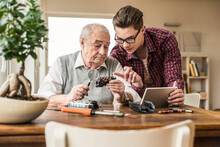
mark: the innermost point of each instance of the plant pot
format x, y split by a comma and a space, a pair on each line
20, 111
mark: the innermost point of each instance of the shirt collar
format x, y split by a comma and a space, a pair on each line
149, 42
130, 56
80, 62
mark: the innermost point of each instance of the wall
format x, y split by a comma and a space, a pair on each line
3, 70
194, 15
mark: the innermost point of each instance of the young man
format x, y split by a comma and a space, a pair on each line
150, 56
68, 79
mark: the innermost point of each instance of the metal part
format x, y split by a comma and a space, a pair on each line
119, 114
103, 81
89, 105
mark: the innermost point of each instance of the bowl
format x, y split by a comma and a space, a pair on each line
20, 111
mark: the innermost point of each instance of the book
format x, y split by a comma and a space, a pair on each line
195, 68
192, 70
185, 83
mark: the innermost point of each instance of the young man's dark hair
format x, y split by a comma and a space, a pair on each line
128, 16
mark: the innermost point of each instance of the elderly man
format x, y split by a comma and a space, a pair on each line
68, 79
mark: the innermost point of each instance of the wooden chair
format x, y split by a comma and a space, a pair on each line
180, 134
192, 99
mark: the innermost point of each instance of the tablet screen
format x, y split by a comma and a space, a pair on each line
157, 95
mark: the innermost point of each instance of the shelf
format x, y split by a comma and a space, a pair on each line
203, 98
196, 65
200, 77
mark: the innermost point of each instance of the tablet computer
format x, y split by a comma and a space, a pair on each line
158, 96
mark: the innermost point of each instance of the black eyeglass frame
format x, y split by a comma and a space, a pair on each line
125, 40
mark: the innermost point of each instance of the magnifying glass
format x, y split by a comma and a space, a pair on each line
93, 74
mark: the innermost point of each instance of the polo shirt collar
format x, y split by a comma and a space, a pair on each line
80, 62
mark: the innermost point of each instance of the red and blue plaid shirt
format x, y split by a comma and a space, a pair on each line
164, 59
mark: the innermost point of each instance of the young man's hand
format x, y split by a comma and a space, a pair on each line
130, 76
176, 97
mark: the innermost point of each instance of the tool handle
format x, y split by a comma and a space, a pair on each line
109, 113
76, 110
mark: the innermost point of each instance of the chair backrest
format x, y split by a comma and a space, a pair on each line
180, 134
192, 99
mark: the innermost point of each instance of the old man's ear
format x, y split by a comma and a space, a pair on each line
82, 41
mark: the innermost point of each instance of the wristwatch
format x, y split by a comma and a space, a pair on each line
126, 97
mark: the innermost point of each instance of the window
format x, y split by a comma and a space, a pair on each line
64, 35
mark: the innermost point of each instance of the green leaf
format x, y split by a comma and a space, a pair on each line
3, 28
3, 21
20, 14
11, 39
8, 56
1, 14
40, 46
21, 5
3, 3
34, 55
13, 2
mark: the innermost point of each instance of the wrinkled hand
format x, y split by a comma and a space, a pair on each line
176, 97
77, 93
117, 88
130, 76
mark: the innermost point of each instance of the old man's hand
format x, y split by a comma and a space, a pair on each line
77, 93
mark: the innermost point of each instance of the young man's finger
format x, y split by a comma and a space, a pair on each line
175, 84
127, 67
126, 74
134, 77
119, 74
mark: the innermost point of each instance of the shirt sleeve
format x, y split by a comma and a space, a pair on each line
121, 57
128, 87
140, 91
53, 82
172, 62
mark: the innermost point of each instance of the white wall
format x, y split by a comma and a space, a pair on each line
194, 15
3, 70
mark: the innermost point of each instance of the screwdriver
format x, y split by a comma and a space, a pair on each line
87, 112
175, 111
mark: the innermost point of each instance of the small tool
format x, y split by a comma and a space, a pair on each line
91, 105
87, 112
180, 109
175, 111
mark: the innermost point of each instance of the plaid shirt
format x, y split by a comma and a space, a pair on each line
164, 59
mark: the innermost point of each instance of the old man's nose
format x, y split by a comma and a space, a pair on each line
102, 50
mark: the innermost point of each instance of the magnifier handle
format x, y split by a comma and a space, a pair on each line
89, 83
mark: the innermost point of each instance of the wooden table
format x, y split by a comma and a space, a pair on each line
207, 125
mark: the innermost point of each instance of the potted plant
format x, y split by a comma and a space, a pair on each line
21, 31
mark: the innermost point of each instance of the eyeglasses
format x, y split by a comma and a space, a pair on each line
128, 40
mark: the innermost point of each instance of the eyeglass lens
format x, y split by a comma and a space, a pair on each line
128, 40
